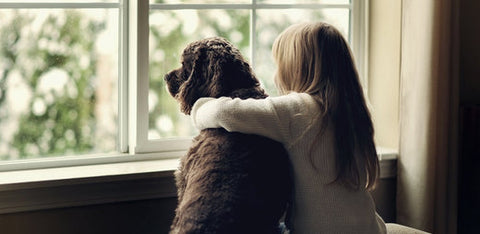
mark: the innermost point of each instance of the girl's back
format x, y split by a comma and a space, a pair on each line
318, 203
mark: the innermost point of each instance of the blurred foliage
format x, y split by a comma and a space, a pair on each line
66, 119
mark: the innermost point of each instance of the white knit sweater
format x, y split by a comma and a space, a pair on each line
294, 119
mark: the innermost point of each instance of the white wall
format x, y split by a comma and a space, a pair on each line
384, 69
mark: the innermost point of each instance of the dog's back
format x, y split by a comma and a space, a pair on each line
235, 183
228, 182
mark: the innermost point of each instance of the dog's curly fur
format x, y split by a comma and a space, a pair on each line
228, 182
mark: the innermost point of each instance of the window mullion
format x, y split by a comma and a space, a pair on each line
359, 37
138, 74
123, 78
253, 26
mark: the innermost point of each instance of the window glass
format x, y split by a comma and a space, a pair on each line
58, 82
170, 32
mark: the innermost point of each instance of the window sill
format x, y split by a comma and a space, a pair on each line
38, 189
388, 162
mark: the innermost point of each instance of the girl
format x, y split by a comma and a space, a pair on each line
324, 124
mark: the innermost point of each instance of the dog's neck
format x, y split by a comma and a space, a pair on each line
254, 92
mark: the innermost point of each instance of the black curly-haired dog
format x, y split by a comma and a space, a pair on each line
228, 182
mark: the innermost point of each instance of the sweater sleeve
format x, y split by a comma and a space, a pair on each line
271, 117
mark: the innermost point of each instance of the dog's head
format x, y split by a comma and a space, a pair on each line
211, 67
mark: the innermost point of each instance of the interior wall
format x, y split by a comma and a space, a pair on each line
384, 69
385, 195
142, 217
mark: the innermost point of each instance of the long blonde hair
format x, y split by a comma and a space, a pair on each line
314, 58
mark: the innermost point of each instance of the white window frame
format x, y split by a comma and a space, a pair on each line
133, 142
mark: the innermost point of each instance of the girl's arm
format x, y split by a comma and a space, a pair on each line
271, 117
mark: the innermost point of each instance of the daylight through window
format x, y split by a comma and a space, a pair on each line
65, 67
58, 79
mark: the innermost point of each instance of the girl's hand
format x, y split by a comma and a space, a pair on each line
204, 113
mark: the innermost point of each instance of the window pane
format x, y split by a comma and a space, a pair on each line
270, 23
304, 1
58, 82
170, 32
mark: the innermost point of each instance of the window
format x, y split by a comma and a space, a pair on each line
85, 78
58, 78
250, 25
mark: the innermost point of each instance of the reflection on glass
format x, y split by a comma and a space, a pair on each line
270, 23
58, 82
170, 32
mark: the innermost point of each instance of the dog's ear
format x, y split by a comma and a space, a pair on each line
240, 74
218, 69
195, 85
207, 77
230, 72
